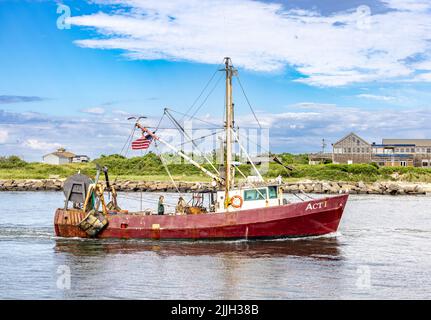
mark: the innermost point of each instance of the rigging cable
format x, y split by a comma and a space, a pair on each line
206, 98
129, 138
203, 90
186, 135
166, 168
248, 101
202, 137
192, 117
251, 183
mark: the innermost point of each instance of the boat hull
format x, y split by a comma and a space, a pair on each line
308, 218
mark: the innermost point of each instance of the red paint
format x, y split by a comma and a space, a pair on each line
291, 220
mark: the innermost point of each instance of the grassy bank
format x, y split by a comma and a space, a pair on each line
151, 168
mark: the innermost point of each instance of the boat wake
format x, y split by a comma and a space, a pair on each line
323, 236
17, 232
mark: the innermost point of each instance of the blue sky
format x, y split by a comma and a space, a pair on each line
311, 69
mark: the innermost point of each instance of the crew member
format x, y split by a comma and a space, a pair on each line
181, 206
161, 206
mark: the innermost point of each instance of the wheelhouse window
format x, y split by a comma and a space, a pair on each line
252, 195
272, 192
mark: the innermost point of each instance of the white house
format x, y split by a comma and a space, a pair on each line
80, 158
61, 156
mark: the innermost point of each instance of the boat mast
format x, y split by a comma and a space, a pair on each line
229, 127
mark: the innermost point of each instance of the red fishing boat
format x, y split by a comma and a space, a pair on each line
228, 211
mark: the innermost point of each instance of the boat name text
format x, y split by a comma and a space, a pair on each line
317, 205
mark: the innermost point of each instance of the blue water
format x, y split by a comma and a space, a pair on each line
382, 251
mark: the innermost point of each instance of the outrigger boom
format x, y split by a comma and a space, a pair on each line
182, 154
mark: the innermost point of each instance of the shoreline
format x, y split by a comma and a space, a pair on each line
307, 186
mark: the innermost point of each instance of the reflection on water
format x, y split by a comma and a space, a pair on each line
150, 269
381, 251
318, 248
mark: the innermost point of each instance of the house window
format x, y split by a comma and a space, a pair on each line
349, 150
412, 150
428, 150
403, 163
402, 150
425, 163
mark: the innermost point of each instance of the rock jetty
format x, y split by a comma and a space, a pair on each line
308, 186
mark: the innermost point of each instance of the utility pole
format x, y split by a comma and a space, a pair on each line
323, 145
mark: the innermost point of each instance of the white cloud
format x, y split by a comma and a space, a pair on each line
41, 145
120, 112
32, 135
299, 129
375, 97
96, 110
343, 48
408, 5
422, 77
423, 65
3, 135
302, 131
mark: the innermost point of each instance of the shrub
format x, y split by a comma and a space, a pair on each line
12, 162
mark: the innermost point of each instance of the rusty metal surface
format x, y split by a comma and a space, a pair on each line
315, 217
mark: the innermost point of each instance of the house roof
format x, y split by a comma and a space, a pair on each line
417, 142
393, 145
64, 154
351, 134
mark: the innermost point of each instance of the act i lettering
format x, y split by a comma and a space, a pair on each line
318, 205
219, 310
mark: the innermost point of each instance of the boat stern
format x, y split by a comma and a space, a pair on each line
66, 223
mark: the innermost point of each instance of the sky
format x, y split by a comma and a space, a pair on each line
71, 72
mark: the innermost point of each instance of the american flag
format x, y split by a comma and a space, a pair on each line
142, 143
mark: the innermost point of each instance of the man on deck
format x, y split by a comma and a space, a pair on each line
181, 206
161, 206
